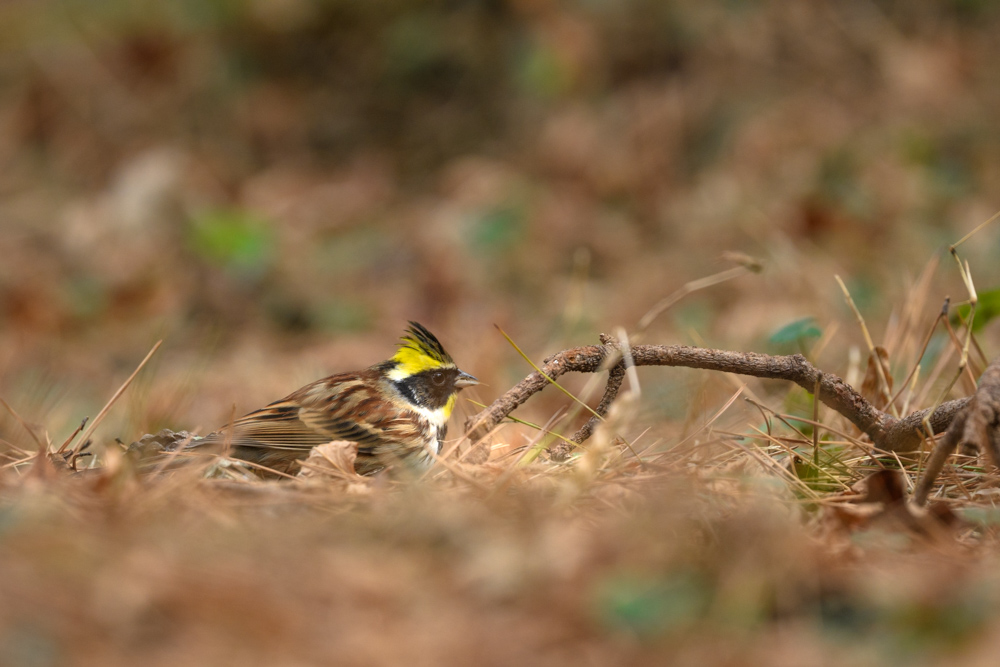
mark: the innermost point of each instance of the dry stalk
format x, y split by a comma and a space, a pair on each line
887, 432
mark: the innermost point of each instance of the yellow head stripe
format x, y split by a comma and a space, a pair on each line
419, 351
410, 360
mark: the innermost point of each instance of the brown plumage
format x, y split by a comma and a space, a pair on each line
396, 411
349, 406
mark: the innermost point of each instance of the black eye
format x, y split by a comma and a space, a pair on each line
437, 377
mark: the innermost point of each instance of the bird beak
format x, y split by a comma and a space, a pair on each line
465, 380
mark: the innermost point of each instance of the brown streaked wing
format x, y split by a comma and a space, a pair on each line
277, 426
369, 422
340, 407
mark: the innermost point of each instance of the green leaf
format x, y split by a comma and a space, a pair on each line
541, 73
344, 315
822, 478
498, 229
235, 239
987, 308
796, 331
88, 296
646, 605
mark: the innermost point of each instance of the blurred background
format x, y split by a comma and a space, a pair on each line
274, 187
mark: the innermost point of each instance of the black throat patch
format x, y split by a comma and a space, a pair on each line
429, 389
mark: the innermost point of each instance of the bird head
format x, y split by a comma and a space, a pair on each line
425, 373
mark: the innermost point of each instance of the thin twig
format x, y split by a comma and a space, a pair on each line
886, 432
978, 426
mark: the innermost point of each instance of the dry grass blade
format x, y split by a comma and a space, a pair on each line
171, 456
714, 418
532, 425
72, 436
967, 370
898, 338
816, 421
104, 411
549, 379
255, 466
975, 231
505, 479
913, 380
778, 442
770, 463
9, 445
883, 380
975, 344
456, 471
16, 463
783, 418
866, 448
942, 315
41, 446
963, 364
787, 420
620, 352
630, 371
475, 448
542, 440
543, 430
686, 289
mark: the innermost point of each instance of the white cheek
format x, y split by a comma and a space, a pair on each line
397, 374
437, 418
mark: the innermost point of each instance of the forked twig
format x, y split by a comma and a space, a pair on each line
886, 431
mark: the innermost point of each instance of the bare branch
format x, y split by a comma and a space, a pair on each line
974, 426
588, 359
616, 376
885, 431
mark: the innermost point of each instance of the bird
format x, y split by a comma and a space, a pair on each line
396, 411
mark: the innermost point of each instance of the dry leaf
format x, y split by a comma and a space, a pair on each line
336, 458
872, 388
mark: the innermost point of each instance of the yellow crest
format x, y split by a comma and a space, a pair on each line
419, 351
